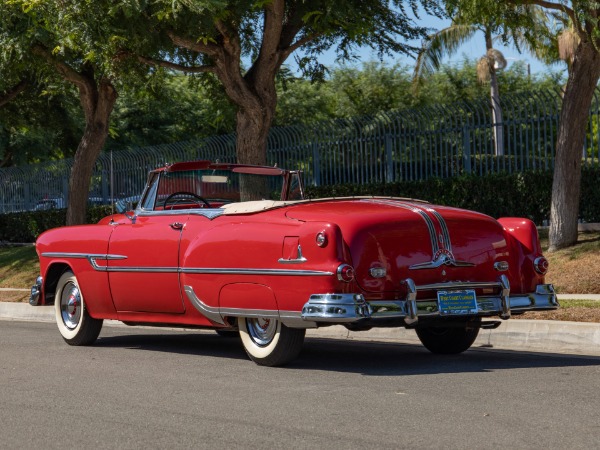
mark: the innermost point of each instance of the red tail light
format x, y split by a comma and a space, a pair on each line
541, 265
345, 273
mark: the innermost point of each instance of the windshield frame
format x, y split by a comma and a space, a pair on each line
291, 184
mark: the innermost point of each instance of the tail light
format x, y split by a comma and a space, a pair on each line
321, 239
345, 273
541, 265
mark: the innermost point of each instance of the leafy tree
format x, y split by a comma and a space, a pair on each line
221, 38
175, 109
36, 126
371, 90
75, 42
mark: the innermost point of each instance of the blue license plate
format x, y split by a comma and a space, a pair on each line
457, 302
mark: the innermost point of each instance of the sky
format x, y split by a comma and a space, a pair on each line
473, 49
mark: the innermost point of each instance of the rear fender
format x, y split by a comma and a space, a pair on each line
248, 296
525, 244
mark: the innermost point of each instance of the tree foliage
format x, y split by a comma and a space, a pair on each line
244, 43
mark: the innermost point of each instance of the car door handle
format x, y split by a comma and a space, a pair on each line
177, 225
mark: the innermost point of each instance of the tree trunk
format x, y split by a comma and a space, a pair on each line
495, 99
564, 210
496, 114
252, 131
97, 105
253, 124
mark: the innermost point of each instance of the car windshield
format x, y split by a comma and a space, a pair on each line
209, 188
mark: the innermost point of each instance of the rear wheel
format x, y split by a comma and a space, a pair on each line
454, 338
268, 342
76, 326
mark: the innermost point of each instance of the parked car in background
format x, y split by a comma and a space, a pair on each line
239, 248
60, 203
50, 203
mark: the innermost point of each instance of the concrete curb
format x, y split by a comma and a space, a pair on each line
547, 336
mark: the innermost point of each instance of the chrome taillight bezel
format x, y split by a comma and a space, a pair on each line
345, 272
540, 264
321, 239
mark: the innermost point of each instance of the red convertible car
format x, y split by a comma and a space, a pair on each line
238, 248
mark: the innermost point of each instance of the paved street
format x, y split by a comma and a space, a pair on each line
148, 388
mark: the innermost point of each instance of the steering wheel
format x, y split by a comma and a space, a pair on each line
188, 194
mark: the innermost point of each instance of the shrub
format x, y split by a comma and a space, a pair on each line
27, 226
525, 194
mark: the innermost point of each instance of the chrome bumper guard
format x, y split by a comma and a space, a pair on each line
36, 289
348, 308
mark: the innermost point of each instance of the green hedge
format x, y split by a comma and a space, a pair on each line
524, 194
499, 195
27, 226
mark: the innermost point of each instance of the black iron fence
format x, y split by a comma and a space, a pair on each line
437, 141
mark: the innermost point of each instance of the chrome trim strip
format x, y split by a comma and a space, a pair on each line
217, 314
241, 271
442, 260
238, 312
102, 256
208, 213
192, 270
445, 231
137, 269
207, 311
460, 285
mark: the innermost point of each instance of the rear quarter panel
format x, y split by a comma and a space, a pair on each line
259, 242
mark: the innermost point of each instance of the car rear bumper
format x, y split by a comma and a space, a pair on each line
349, 308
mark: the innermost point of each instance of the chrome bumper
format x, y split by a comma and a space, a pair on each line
36, 289
349, 308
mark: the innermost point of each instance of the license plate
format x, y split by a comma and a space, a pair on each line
457, 302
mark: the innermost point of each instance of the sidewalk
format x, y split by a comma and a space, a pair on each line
546, 336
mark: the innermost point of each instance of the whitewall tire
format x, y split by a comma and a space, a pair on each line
74, 323
268, 342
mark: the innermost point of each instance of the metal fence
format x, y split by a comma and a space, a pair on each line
438, 141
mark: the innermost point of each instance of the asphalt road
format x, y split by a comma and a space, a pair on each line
149, 388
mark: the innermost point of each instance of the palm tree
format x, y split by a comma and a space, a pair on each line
448, 40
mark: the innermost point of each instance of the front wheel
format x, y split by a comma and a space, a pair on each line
76, 326
454, 338
268, 342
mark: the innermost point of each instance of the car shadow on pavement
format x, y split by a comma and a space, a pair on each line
367, 358
177, 342
384, 359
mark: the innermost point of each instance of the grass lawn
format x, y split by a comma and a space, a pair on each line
19, 267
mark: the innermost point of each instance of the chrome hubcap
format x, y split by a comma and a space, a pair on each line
70, 306
261, 330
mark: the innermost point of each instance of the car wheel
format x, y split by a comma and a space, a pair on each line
76, 326
268, 342
453, 339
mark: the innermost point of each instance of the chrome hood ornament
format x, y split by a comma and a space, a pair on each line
443, 258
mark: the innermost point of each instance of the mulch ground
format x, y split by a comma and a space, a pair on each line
578, 314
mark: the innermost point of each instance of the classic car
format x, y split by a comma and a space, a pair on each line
239, 249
